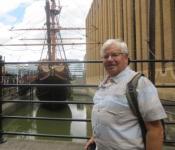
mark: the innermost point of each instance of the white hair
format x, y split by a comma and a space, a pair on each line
117, 42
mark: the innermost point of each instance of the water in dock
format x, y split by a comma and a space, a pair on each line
72, 111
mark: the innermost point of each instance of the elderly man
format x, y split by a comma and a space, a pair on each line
114, 125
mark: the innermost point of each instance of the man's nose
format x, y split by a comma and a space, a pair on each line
110, 57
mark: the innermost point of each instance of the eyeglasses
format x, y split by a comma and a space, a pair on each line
112, 55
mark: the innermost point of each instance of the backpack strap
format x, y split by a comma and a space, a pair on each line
131, 95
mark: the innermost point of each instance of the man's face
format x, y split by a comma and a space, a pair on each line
114, 60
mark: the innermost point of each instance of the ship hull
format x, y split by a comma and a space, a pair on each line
56, 75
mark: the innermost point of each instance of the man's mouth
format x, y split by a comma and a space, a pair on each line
111, 67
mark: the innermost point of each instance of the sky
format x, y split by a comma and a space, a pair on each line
27, 14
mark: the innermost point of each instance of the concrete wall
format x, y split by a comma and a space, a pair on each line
129, 20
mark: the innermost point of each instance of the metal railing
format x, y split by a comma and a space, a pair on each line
2, 117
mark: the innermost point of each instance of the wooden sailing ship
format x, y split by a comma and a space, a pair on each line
53, 70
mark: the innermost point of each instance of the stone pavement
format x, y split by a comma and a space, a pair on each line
15, 144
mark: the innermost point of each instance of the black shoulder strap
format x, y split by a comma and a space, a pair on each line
131, 95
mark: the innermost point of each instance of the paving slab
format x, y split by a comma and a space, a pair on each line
14, 144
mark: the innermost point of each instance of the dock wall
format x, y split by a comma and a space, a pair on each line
129, 20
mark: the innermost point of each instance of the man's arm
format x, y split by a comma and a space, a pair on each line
154, 135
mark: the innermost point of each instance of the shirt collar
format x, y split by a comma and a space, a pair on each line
116, 78
121, 75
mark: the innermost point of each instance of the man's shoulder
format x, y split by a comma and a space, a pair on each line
144, 83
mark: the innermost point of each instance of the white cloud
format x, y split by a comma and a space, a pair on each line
73, 15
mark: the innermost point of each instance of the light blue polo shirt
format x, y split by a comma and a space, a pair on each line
114, 125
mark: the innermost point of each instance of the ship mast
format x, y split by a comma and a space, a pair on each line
51, 12
48, 28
